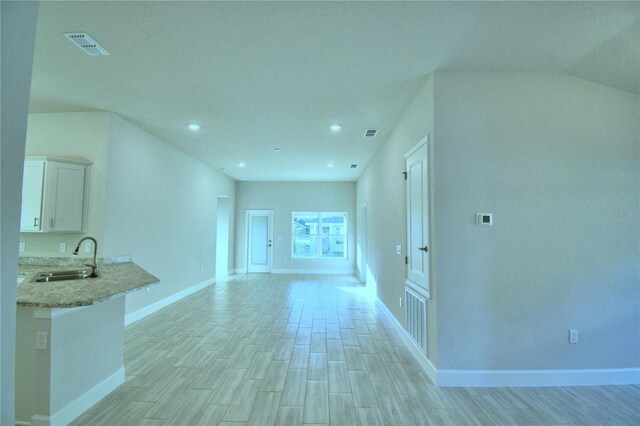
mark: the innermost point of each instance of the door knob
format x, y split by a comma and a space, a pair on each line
424, 249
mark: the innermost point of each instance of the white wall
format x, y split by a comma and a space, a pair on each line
18, 26
382, 188
83, 135
284, 198
161, 208
549, 155
86, 349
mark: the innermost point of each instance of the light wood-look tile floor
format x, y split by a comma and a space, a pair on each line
291, 350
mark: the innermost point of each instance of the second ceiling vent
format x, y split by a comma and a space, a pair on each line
371, 133
87, 44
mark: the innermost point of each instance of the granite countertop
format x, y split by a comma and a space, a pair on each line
114, 280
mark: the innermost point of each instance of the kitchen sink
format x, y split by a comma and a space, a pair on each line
71, 274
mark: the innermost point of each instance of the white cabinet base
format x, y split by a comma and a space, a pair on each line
83, 363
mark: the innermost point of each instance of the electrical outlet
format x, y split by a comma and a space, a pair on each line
88, 246
22, 247
400, 301
573, 336
42, 338
201, 268
62, 247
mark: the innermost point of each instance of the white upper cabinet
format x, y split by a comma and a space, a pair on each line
32, 181
53, 195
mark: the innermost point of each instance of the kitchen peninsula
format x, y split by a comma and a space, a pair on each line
70, 338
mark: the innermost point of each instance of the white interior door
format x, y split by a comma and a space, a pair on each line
259, 240
417, 168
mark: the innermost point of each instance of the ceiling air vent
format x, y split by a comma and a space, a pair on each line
371, 133
87, 44
353, 166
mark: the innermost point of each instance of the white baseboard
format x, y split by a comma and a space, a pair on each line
537, 378
69, 413
314, 271
304, 271
514, 378
38, 420
428, 366
154, 307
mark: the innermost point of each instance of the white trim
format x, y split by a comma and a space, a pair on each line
53, 313
38, 420
428, 366
533, 378
248, 230
323, 271
424, 275
154, 307
417, 146
81, 404
424, 292
79, 161
514, 378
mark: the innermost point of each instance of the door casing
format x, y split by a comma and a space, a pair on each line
267, 266
418, 249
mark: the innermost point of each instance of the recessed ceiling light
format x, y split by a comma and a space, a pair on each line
194, 127
276, 149
335, 127
241, 164
330, 165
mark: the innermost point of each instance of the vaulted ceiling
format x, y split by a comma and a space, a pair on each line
258, 76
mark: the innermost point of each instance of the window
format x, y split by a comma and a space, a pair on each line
317, 235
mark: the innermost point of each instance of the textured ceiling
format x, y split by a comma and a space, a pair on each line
259, 76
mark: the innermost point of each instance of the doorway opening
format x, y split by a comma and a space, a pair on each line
222, 238
364, 273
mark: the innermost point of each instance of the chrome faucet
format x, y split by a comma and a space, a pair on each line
94, 266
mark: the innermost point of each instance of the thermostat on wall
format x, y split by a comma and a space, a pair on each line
484, 219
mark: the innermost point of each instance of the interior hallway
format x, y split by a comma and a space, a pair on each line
299, 349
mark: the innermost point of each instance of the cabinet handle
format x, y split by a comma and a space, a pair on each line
51, 222
35, 222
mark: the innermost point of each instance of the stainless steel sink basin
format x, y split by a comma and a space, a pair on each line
71, 274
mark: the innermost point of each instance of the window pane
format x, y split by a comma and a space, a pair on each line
304, 246
334, 223
305, 224
333, 246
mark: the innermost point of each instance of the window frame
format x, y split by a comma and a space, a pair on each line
319, 235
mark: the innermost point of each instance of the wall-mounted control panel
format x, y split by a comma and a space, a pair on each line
484, 219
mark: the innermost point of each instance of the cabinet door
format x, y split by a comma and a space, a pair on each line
33, 179
64, 197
